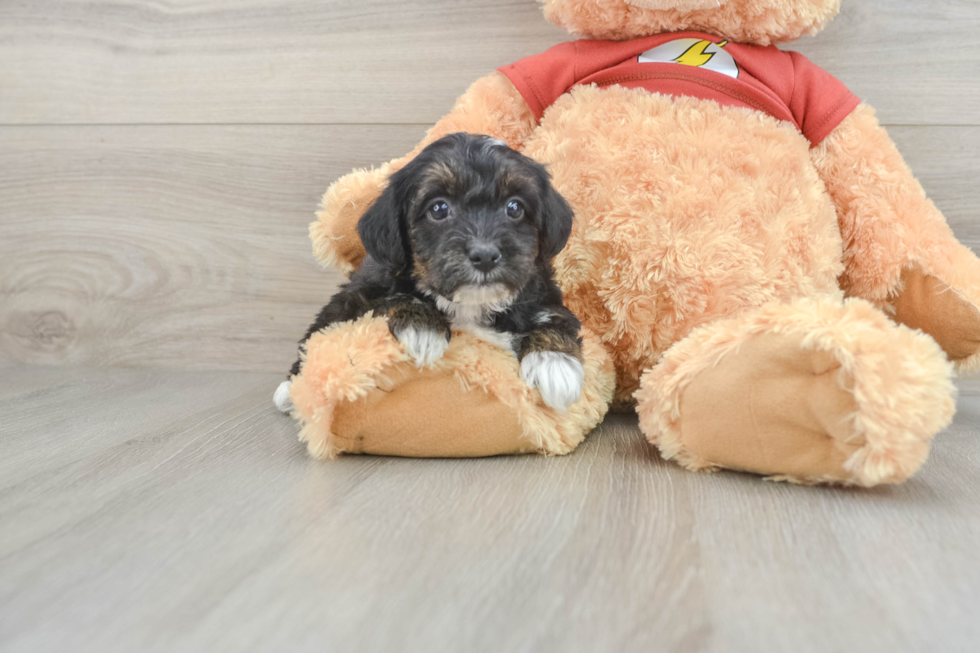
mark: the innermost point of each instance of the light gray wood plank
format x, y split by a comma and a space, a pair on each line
180, 247
946, 161
176, 511
186, 247
278, 61
385, 61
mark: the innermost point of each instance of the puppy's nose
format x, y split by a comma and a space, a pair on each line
484, 257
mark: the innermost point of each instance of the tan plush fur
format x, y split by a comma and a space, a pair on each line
680, 217
888, 224
349, 361
745, 21
710, 257
898, 378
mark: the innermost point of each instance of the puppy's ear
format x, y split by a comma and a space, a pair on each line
381, 228
556, 223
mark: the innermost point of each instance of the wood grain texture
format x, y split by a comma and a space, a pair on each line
378, 61
173, 246
278, 61
160, 510
900, 57
186, 246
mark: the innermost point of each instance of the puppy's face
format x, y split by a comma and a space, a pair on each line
472, 226
473, 217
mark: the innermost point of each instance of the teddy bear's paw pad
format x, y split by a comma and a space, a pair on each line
557, 376
813, 392
423, 346
772, 407
928, 304
281, 397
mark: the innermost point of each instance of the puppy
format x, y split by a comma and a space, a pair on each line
462, 238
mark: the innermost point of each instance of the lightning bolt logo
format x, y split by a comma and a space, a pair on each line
694, 52
696, 55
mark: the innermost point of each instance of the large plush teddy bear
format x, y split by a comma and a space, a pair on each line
750, 254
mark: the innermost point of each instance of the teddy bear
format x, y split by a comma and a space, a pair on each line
758, 273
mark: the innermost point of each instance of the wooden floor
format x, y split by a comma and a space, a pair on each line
162, 510
159, 164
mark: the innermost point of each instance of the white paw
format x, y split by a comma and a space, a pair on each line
558, 377
281, 397
424, 347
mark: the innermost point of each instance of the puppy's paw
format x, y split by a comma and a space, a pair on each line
281, 397
424, 346
558, 377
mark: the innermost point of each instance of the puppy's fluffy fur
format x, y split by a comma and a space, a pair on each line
462, 238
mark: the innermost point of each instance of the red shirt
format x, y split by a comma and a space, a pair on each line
782, 84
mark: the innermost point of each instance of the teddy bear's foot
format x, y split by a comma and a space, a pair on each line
810, 392
359, 391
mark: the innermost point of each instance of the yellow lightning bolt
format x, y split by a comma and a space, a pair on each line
696, 56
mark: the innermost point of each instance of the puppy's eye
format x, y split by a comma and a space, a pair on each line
439, 210
515, 210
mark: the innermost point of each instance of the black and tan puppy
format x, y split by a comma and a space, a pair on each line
461, 239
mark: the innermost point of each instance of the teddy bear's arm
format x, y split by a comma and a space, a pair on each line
491, 106
898, 250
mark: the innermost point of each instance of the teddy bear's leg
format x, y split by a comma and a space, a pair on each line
898, 250
359, 392
491, 106
812, 391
